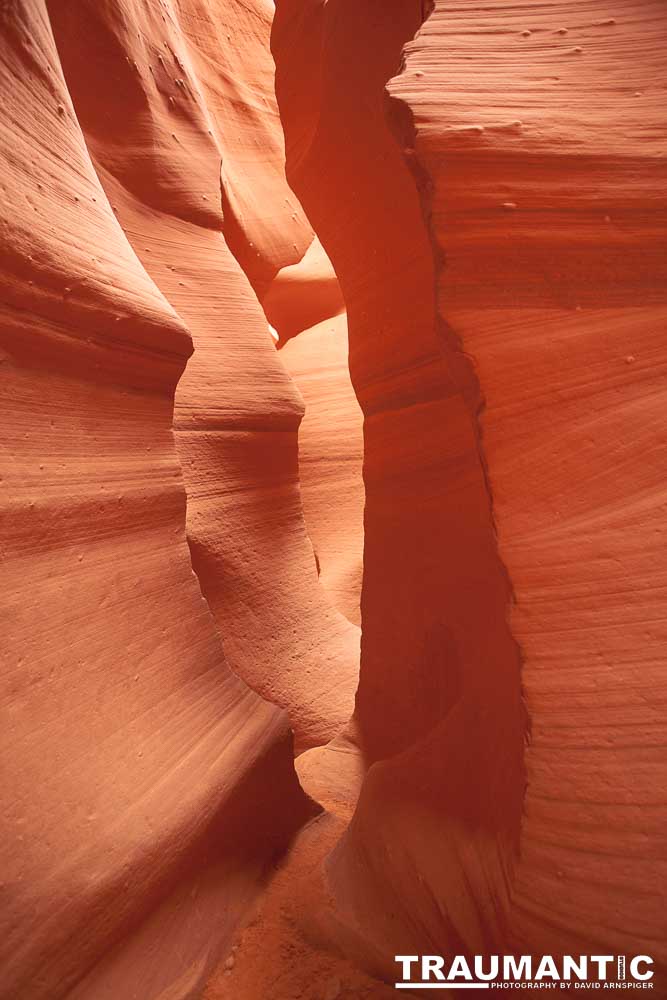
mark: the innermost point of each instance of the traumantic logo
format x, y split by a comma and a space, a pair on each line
503, 972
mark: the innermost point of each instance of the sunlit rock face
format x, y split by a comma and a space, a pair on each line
182, 125
369, 336
132, 756
306, 305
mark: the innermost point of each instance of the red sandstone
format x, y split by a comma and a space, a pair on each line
208, 506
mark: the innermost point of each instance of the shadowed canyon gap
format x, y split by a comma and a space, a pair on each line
201, 202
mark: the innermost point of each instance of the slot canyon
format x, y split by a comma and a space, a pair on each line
334, 488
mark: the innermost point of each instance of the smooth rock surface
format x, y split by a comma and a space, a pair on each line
132, 757
200, 100
502, 261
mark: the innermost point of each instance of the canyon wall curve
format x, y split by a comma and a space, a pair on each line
552, 353
183, 126
114, 678
434, 687
332, 373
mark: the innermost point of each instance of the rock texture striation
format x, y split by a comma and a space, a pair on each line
175, 124
144, 785
513, 466
305, 300
484, 189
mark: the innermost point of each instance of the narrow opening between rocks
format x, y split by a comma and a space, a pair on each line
306, 312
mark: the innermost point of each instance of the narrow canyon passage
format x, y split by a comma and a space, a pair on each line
237, 412
306, 309
333, 395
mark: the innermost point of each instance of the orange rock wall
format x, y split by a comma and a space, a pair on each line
565, 333
305, 307
145, 786
496, 222
181, 106
331, 449
502, 261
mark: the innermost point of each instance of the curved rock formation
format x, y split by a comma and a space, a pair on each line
496, 223
526, 406
560, 202
133, 758
159, 126
305, 299
330, 459
303, 294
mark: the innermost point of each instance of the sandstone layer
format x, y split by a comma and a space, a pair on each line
505, 285
133, 758
181, 122
426, 322
305, 306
